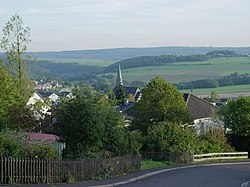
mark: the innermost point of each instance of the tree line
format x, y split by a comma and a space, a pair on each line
229, 80
166, 59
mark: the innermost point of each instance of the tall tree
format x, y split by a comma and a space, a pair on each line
120, 94
89, 123
14, 42
160, 101
236, 116
12, 103
14, 84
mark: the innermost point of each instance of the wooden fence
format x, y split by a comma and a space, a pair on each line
30, 170
220, 156
177, 158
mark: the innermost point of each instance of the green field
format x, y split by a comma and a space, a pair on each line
224, 89
188, 71
88, 62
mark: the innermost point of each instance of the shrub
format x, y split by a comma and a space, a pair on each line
213, 141
9, 146
14, 145
168, 137
130, 143
44, 150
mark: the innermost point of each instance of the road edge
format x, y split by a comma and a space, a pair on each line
150, 174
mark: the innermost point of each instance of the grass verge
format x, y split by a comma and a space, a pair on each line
148, 164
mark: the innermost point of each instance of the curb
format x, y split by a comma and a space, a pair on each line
135, 179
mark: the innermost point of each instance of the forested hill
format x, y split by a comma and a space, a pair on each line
125, 53
165, 59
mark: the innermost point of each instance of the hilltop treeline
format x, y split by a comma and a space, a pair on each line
166, 59
125, 53
230, 80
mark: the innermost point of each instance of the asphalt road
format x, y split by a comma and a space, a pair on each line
207, 176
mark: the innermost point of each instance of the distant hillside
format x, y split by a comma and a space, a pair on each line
124, 53
65, 71
153, 61
166, 59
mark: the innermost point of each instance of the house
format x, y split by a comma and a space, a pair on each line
44, 110
54, 98
38, 87
47, 86
128, 110
202, 112
65, 91
35, 98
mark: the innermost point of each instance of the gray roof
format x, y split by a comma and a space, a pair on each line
199, 108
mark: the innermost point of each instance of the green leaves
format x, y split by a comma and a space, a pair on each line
160, 101
170, 137
90, 123
236, 115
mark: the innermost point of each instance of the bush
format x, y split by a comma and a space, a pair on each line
130, 143
44, 150
9, 146
14, 145
213, 141
167, 137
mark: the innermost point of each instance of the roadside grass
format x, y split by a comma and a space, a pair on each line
148, 164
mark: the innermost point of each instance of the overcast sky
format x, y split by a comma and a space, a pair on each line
94, 24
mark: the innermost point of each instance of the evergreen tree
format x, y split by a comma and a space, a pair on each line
120, 94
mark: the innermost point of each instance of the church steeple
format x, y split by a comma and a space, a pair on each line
119, 77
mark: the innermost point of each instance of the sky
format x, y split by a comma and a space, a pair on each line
97, 24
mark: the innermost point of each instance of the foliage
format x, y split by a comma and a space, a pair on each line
130, 143
222, 53
140, 61
42, 150
230, 80
213, 141
160, 101
13, 144
14, 85
214, 97
167, 137
9, 146
90, 124
154, 61
12, 103
14, 42
120, 94
236, 116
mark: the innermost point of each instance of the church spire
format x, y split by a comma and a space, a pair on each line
119, 77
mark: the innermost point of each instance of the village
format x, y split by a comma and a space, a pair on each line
56, 132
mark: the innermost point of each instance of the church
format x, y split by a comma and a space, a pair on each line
128, 91
127, 107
